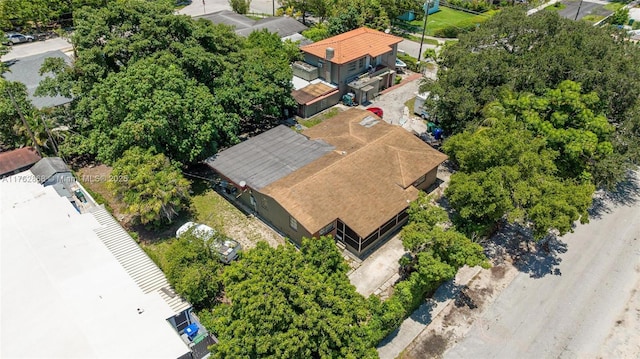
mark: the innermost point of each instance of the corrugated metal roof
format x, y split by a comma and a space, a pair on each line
135, 261
268, 157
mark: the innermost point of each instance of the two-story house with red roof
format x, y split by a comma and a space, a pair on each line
361, 61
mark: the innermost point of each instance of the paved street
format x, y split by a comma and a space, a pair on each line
37, 47
587, 309
589, 7
201, 7
412, 48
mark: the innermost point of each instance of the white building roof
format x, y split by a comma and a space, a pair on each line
63, 292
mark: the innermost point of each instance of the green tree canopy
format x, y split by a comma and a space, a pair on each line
534, 54
257, 83
147, 77
151, 186
287, 303
508, 172
152, 103
194, 271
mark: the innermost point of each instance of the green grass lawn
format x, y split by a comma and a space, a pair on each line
426, 41
556, 7
613, 6
592, 18
449, 17
316, 119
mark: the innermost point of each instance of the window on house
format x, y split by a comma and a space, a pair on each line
420, 180
320, 63
327, 229
352, 67
293, 223
264, 203
361, 63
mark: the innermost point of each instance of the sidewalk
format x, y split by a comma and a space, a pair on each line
404, 81
402, 337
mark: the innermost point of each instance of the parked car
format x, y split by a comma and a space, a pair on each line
226, 248
400, 65
16, 38
376, 110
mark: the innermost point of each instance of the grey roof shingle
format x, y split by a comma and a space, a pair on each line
283, 26
47, 167
228, 17
27, 71
268, 157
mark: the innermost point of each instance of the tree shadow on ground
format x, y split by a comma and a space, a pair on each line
625, 193
537, 259
425, 313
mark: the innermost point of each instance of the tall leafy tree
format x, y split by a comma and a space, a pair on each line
151, 186
536, 53
257, 86
506, 172
287, 303
152, 103
194, 270
570, 121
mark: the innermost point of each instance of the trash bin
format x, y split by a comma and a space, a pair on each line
191, 331
437, 133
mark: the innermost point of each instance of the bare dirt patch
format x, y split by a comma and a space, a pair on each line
457, 318
497, 272
433, 347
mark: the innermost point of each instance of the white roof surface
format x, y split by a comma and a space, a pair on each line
63, 292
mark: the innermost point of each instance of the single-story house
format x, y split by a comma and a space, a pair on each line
351, 176
284, 26
27, 71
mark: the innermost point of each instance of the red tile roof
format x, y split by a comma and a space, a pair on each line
353, 45
16, 159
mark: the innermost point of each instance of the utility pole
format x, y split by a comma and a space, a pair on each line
424, 28
24, 122
578, 12
53, 143
273, 2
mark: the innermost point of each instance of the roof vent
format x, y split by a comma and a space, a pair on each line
329, 53
368, 122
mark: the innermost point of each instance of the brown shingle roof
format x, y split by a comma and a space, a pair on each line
353, 45
309, 93
365, 182
16, 159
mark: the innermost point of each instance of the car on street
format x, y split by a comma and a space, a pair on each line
17, 38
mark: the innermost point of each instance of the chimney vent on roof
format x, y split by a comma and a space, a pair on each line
329, 53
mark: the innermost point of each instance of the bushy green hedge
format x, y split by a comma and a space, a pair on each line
473, 5
412, 62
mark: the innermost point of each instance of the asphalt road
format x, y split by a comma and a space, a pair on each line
573, 313
587, 8
201, 7
412, 48
37, 47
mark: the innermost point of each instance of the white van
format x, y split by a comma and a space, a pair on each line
226, 248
